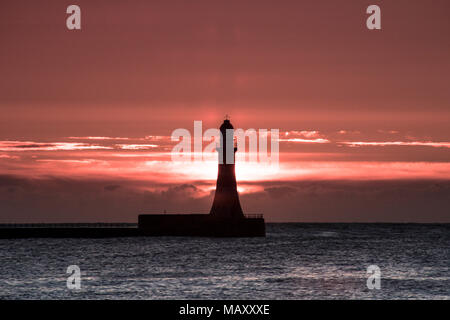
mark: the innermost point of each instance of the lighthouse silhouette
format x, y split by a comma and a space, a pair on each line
226, 199
225, 218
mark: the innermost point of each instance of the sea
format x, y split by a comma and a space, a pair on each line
294, 261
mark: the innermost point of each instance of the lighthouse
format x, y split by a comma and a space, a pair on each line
226, 199
225, 218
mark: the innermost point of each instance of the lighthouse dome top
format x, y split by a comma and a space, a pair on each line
226, 125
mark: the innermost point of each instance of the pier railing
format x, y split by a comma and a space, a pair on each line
68, 225
254, 216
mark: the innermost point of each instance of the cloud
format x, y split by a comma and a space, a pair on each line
353, 201
304, 136
306, 133
70, 161
183, 190
112, 187
44, 146
279, 192
7, 156
57, 199
98, 138
398, 143
137, 146
300, 140
388, 131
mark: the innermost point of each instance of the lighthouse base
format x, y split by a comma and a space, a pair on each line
200, 225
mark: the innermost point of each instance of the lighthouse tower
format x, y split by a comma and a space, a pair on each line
226, 200
225, 219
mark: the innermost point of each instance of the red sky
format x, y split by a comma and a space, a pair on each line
364, 116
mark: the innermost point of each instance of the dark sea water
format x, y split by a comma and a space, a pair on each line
294, 261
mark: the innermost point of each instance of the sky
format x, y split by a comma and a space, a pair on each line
86, 115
